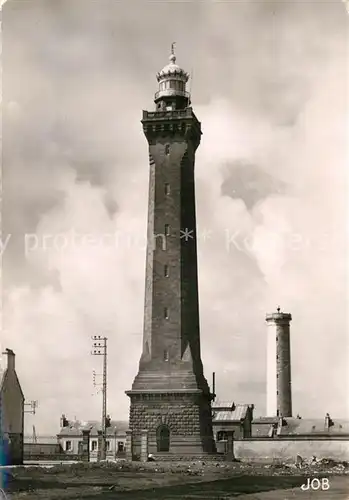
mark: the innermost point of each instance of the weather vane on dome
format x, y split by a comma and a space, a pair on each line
172, 56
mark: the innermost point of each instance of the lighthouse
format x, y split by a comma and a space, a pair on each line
279, 394
170, 399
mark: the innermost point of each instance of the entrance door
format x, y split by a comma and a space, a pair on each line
163, 438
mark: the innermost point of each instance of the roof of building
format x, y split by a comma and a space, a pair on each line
222, 413
266, 420
223, 404
261, 426
299, 426
260, 430
75, 428
296, 426
3, 373
40, 440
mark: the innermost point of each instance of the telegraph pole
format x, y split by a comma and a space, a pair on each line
100, 349
33, 405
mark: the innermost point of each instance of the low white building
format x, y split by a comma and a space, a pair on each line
70, 437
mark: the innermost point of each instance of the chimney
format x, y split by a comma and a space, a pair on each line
271, 431
280, 425
328, 422
214, 385
64, 421
10, 359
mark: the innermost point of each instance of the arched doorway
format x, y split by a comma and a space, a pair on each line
163, 438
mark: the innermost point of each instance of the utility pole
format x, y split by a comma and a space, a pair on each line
34, 435
99, 348
33, 405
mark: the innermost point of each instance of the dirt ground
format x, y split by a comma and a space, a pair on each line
174, 481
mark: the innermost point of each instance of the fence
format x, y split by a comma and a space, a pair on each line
47, 452
52, 449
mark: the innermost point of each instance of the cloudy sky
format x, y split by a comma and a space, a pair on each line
269, 86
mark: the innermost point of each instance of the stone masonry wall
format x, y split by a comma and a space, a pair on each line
189, 422
181, 418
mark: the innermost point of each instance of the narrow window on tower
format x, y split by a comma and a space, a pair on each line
166, 313
165, 355
167, 188
167, 230
166, 272
167, 149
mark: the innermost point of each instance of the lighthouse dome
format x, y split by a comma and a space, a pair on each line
172, 69
172, 93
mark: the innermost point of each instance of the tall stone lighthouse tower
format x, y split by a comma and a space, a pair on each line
170, 397
279, 395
